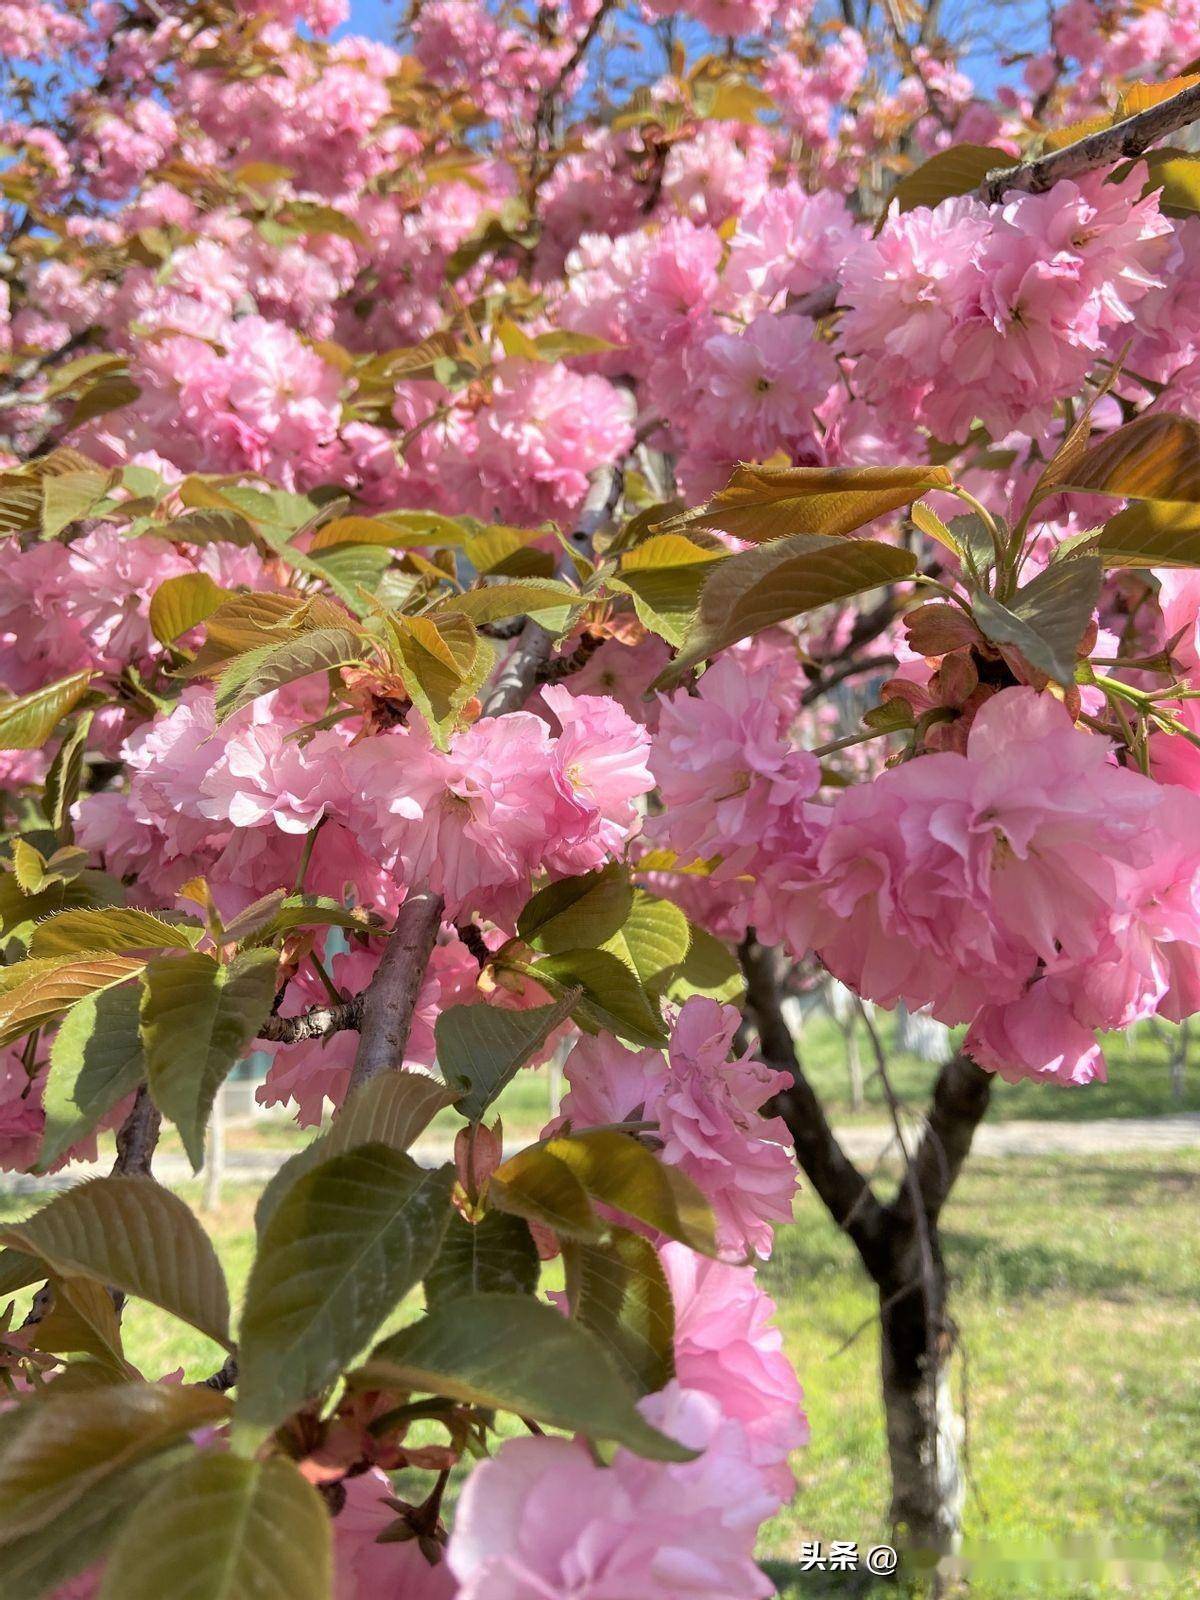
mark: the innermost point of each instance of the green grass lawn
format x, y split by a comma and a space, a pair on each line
1077, 1291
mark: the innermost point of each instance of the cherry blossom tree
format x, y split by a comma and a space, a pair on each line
511, 551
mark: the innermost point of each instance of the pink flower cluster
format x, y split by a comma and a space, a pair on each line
1030, 887
998, 313
708, 1111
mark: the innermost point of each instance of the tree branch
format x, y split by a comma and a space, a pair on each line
518, 677
137, 1136
318, 1023
841, 1187
390, 998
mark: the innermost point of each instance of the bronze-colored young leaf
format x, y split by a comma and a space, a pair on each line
539, 1187
517, 597
270, 667
620, 1171
65, 776
28, 720
179, 604
494, 1255
118, 930
199, 1018
443, 662
69, 1443
393, 1109
137, 1236
768, 503
1154, 533
1154, 457
344, 1245
219, 1527
95, 1060
515, 1354
664, 576
82, 1320
481, 1047
619, 1290
755, 589
37, 991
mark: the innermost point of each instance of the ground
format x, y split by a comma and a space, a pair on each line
1077, 1293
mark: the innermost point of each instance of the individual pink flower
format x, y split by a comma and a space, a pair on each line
648, 1529
726, 1345
600, 764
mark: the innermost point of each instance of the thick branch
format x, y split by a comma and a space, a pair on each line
391, 997
1124, 142
960, 1099
843, 1190
518, 677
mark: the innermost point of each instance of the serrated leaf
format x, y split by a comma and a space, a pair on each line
272, 666
118, 929
1046, 619
709, 968
1154, 457
619, 1290
612, 995
957, 170
276, 915
1154, 533
518, 598
345, 1244
570, 912
763, 504
70, 1443
36, 992
64, 776
69, 497
20, 913
755, 589
501, 552
137, 1236
620, 1171
18, 1270
495, 1255
392, 1109
219, 1527
481, 1047
82, 1320
180, 604
28, 720
664, 576
95, 1061
513, 1353
199, 1018
653, 940
1176, 174
443, 662
539, 1187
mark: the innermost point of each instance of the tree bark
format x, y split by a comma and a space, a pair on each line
391, 998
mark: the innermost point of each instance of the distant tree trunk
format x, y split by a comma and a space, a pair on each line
899, 1244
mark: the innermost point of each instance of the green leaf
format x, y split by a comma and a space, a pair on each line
768, 503
1156, 533
653, 940
539, 1187
108, 393
118, 930
28, 720
613, 996
82, 1320
1047, 618
95, 1061
664, 576
68, 497
342, 1248
219, 1527
36, 992
710, 968
40, 1563
501, 552
494, 1255
620, 1171
270, 667
199, 1019
957, 170
61, 788
443, 661
572, 912
180, 604
480, 1047
620, 1291
755, 589
514, 1353
137, 1236
393, 1109
70, 1443
278, 914
21, 913
18, 1271
1177, 174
